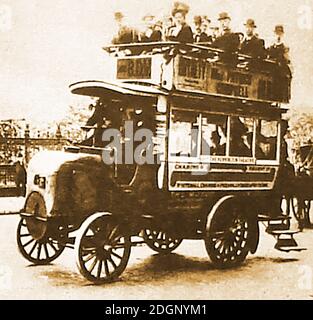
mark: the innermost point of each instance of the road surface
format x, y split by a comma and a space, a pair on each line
186, 274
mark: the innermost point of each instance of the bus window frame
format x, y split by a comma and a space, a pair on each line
275, 162
208, 159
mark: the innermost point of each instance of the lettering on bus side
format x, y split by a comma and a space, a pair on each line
232, 90
191, 68
136, 68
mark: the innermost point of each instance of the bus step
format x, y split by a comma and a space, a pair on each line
289, 249
266, 218
286, 241
284, 232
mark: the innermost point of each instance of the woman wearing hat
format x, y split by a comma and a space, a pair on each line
252, 45
181, 32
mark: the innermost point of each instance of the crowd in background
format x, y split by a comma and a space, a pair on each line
175, 28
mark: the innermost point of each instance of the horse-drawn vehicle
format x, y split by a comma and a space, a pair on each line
302, 187
210, 169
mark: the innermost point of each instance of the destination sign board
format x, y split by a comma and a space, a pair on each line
134, 68
198, 74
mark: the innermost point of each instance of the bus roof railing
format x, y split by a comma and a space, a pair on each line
183, 46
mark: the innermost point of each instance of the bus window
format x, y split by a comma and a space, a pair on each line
266, 140
184, 134
241, 137
214, 133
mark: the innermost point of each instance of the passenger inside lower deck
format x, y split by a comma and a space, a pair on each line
240, 138
196, 134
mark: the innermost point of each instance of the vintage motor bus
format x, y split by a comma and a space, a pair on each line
211, 169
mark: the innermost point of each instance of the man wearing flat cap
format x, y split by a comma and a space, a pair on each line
227, 41
252, 45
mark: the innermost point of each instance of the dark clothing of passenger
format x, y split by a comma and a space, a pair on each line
253, 47
219, 150
203, 37
155, 36
239, 149
278, 52
283, 74
185, 35
228, 42
98, 116
125, 35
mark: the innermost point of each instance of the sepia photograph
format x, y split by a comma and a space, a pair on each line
156, 151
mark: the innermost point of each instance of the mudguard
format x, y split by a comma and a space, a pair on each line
254, 234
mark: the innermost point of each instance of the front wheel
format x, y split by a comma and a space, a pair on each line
227, 238
102, 249
37, 250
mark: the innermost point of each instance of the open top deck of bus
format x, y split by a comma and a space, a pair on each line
199, 69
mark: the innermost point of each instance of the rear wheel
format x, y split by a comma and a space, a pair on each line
227, 237
161, 242
302, 211
102, 249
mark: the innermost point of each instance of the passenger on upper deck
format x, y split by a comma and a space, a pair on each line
202, 27
181, 31
252, 45
197, 21
125, 34
279, 51
215, 33
227, 40
151, 32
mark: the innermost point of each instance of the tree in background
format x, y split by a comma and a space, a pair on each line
76, 117
300, 126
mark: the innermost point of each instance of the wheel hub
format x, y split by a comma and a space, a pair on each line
103, 253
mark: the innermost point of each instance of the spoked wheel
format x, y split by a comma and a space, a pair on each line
38, 251
302, 211
227, 238
102, 249
308, 214
160, 241
33, 239
297, 208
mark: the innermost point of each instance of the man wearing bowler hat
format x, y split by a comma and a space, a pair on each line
252, 45
279, 52
227, 41
125, 34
